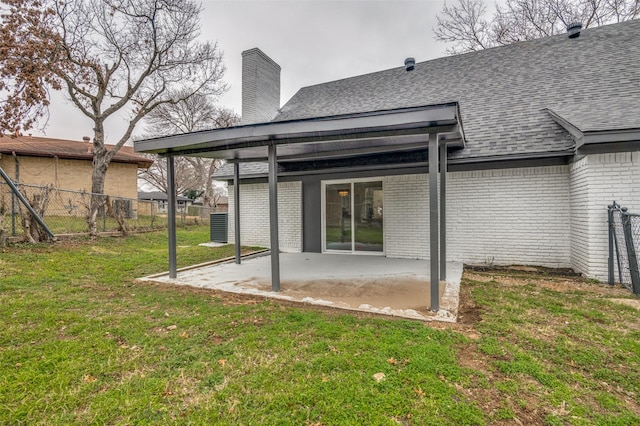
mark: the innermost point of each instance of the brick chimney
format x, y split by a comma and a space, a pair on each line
260, 87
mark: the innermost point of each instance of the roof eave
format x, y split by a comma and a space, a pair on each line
342, 130
593, 137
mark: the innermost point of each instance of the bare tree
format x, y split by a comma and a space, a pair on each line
156, 175
111, 56
191, 173
467, 28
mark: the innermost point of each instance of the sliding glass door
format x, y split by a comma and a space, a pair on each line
353, 217
338, 217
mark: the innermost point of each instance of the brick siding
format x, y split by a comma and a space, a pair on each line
121, 179
501, 216
596, 181
254, 215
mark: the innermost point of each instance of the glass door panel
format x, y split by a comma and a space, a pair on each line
338, 217
367, 218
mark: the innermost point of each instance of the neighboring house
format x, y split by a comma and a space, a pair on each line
539, 136
159, 199
222, 204
67, 164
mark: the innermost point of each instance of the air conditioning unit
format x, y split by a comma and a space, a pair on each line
218, 223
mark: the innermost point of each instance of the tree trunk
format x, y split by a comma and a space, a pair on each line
39, 201
209, 191
3, 232
100, 163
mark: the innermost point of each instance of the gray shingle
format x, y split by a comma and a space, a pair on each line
246, 169
593, 81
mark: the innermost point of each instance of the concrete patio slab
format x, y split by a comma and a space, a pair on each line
397, 287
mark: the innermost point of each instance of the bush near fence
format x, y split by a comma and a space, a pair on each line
65, 211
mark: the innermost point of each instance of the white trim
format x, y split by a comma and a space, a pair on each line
323, 202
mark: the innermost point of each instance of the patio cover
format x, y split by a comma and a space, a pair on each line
435, 127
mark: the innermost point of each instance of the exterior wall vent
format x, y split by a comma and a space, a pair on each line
573, 30
409, 64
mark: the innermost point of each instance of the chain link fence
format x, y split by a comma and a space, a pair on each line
624, 238
65, 212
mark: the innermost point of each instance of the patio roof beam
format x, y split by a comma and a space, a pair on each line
416, 120
171, 217
317, 145
236, 210
273, 217
433, 222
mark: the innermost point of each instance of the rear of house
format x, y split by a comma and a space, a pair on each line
550, 135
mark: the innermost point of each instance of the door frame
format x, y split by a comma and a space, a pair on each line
323, 207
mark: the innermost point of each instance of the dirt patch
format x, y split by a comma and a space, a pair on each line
469, 312
233, 299
398, 293
482, 391
634, 303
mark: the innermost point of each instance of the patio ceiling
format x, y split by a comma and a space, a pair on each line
319, 138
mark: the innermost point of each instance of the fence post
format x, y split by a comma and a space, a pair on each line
611, 231
631, 252
104, 214
13, 214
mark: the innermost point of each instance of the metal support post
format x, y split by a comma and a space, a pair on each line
443, 211
273, 217
433, 221
611, 233
236, 209
171, 217
14, 213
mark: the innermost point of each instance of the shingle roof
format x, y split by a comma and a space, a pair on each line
61, 148
593, 81
158, 196
601, 114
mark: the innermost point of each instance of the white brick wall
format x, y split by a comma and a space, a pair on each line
579, 188
406, 216
501, 216
596, 181
551, 216
254, 215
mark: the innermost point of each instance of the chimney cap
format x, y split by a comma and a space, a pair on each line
573, 29
409, 64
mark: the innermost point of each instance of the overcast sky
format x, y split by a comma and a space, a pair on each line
312, 41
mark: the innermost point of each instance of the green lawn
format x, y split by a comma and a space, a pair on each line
80, 343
